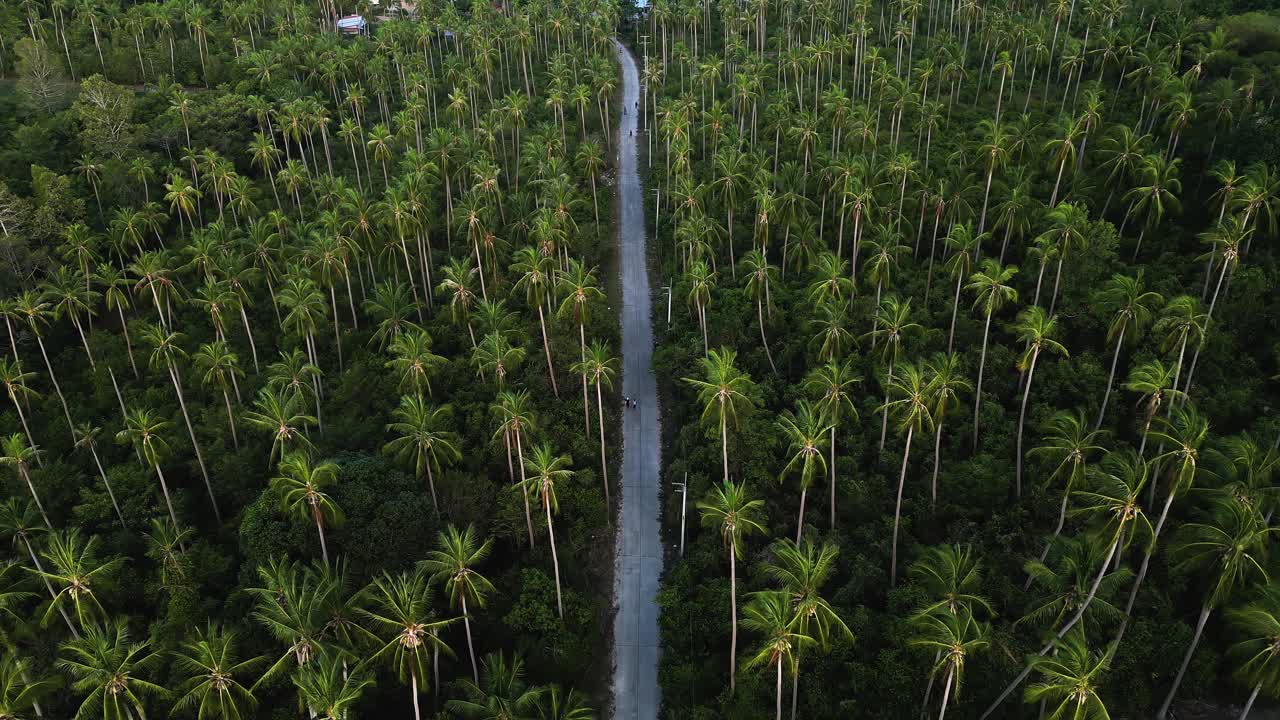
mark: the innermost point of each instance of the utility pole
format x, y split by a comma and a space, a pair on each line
668, 289
657, 203
683, 489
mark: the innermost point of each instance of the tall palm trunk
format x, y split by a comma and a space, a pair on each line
164, 489
582, 357
1146, 564
1115, 358
955, 305
937, 459
977, 395
35, 560
324, 547
724, 442
764, 341
22, 470
1248, 705
231, 418
528, 517
897, 509
1186, 660
56, 388
604, 466
733, 616
778, 693
471, 650
946, 693
1022, 417
413, 688
555, 559
110, 493
182, 403
832, 483
546, 348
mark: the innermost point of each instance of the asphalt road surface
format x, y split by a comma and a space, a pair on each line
638, 558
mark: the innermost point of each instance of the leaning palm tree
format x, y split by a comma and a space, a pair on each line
1257, 654
221, 368
422, 440
1035, 327
453, 564
211, 669
1071, 679
1068, 444
515, 418
729, 509
398, 607
806, 431
19, 692
502, 693
910, 405
17, 454
598, 367
578, 283
87, 439
107, 670
955, 637
1132, 306
544, 471
991, 285
725, 393
75, 570
771, 614
16, 386
833, 384
301, 485
1233, 545
1065, 575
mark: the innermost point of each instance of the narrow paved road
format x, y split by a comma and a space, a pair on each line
638, 562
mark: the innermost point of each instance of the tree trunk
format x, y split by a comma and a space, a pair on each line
804, 493
555, 560
586, 402
937, 457
546, 348
164, 488
946, 694
1186, 660
832, 483
324, 547
107, 483
977, 396
724, 443
778, 693
1102, 413
528, 518
231, 419
733, 616
34, 495
1249, 703
413, 688
182, 402
955, 305
35, 560
897, 510
53, 379
1022, 416
471, 650
431, 485
764, 341
604, 466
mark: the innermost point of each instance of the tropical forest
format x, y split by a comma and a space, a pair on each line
639, 359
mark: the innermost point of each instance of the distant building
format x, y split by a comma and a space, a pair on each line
352, 25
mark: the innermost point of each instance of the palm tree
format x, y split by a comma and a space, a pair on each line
278, 410
1133, 307
806, 431
399, 609
578, 284
107, 669
1156, 194
15, 382
221, 367
18, 455
954, 637
1232, 546
963, 245
18, 692
212, 668
537, 279
544, 470
166, 354
832, 383
301, 486
725, 393
1068, 444
555, 704
1034, 327
770, 613
18, 521
327, 688
991, 285
1065, 575
165, 545
143, 429
31, 307
892, 323
1071, 679
759, 275
422, 439
803, 570
1258, 652
599, 367
910, 404
454, 565
515, 418
731, 510
75, 571
504, 693
950, 576
944, 387
413, 361
86, 439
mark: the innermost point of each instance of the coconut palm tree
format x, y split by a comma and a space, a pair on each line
537, 280
737, 516
1156, 194
20, 693
301, 486
398, 607
544, 470
832, 384
87, 439
413, 362
278, 410
221, 368
504, 693
771, 614
1064, 576
213, 675
806, 431
1232, 546
17, 454
955, 637
599, 367
515, 419
1071, 679
107, 670
16, 386
759, 274
725, 393
910, 405
803, 569
167, 353
950, 576
327, 689
77, 573
991, 285
556, 704
19, 522
143, 429
32, 308
1257, 653
422, 439
1068, 444
1035, 327
892, 324
453, 564
944, 387
578, 285
1132, 306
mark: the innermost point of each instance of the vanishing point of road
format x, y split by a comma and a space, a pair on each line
638, 556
